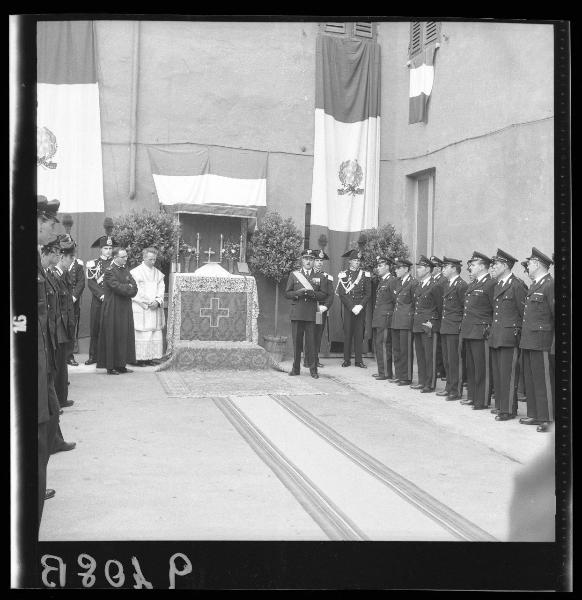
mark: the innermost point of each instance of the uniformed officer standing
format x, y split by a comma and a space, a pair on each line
355, 289
475, 326
95, 274
326, 285
382, 317
48, 405
536, 342
504, 337
439, 278
453, 305
77, 278
304, 293
428, 299
401, 324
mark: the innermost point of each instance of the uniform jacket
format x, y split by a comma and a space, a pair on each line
96, 274
304, 307
537, 331
453, 306
52, 302
384, 305
77, 278
404, 304
45, 349
66, 314
326, 285
507, 313
360, 293
428, 302
478, 310
441, 280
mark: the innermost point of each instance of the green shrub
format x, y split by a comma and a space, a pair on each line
377, 241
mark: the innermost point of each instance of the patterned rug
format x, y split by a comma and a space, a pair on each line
218, 384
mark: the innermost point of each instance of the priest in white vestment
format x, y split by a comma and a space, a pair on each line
148, 309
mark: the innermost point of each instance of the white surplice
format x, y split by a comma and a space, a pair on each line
148, 323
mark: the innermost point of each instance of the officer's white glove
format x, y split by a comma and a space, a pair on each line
357, 309
74, 299
322, 308
103, 296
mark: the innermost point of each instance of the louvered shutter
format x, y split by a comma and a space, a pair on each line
415, 45
335, 28
363, 29
431, 32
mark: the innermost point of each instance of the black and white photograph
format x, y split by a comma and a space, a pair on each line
300, 286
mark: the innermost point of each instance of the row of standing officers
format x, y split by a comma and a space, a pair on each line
490, 332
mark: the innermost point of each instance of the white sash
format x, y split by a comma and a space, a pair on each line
348, 288
303, 280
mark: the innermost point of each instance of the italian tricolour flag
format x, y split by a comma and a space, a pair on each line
346, 162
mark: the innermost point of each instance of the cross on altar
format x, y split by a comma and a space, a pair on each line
209, 252
215, 312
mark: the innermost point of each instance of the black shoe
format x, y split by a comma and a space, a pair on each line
375, 374
426, 390
124, 370
49, 494
91, 361
293, 372
381, 378
479, 407
494, 411
112, 372
417, 386
65, 447
72, 362
346, 363
394, 380
443, 393
529, 421
453, 397
543, 427
404, 382
67, 404
319, 365
504, 417
61, 411
361, 365
467, 402
314, 374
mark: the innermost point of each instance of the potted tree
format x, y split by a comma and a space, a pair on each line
274, 247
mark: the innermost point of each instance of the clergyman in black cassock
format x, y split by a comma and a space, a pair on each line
116, 332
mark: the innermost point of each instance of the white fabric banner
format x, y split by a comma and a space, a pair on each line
346, 184
69, 113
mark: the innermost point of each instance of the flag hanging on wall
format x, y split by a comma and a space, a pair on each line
69, 165
210, 180
346, 161
421, 81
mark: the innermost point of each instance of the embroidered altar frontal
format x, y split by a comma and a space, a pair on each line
213, 309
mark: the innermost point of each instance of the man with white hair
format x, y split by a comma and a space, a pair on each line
148, 309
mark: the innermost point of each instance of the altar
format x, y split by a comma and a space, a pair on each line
212, 321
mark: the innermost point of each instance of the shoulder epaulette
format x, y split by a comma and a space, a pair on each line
80, 261
367, 273
90, 264
341, 274
330, 277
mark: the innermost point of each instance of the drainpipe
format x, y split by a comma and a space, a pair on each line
133, 114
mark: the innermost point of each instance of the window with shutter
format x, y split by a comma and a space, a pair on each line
415, 45
431, 32
335, 28
362, 29
422, 34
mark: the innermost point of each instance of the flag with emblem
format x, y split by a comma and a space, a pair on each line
210, 180
421, 81
69, 159
346, 161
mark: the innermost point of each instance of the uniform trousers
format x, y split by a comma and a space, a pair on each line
402, 351
46, 435
452, 360
75, 343
441, 369
94, 327
299, 329
538, 368
477, 352
425, 347
354, 329
62, 375
318, 335
505, 371
383, 349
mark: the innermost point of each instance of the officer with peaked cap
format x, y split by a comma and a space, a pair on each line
382, 317
355, 289
475, 326
428, 298
401, 324
504, 337
95, 274
326, 285
537, 337
305, 292
77, 281
453, 303
439, 279
48, 405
